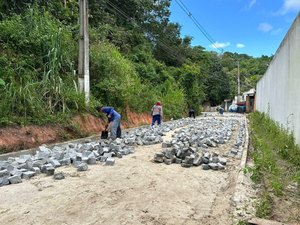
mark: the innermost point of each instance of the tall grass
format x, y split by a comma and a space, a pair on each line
276, 160
37, 82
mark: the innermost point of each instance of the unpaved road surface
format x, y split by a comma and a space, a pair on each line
133, 191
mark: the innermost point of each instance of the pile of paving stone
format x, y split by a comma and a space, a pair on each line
189, 157
189, 145
46, 160
80, 155
185, 148
152, 135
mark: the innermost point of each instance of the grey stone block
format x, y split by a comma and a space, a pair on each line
84, 159
29, 164
124, 151
36, 170
188, 160
197, 161
178, 153
4, 181
59, 176
207, 155
205, 160
159, 157
16, 172
5, 164
10, 167
114, 146
78, 156
50, 171
110, 162
15, 179
76, 163
91, 161
44, 169
82, 167
140, 141
21, 161
44, 153
28, 174
131, 141
168, 161
4, 173
118, 141
57, 153
95, 153
213, 166
102, 158
186, 165
55, 163
223, 161
71, 145
233, 151
65, 161
109, 154
119, 155
220, 166
39, 163
178, 161
214, 160
169, 154
205, 167
105, 150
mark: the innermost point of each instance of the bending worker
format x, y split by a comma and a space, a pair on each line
114, 120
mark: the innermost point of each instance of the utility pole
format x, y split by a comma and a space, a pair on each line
83, 58
239, 83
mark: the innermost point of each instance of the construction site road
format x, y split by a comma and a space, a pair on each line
133, 191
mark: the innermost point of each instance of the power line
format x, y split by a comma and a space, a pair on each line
198, 25
164, 46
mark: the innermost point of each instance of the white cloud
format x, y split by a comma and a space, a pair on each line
265, 27
252, 3
220, 45
289, 6
240, 45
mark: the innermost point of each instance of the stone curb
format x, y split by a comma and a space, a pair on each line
239, 198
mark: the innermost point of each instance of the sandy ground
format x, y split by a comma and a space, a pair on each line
133, 191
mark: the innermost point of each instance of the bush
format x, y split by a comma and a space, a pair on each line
36, 69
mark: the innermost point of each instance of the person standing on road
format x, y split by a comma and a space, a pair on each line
157, 114
221, 110
114, 120
192, 113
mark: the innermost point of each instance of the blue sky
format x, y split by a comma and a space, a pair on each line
253, 27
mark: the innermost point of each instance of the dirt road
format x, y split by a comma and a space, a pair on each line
133, 191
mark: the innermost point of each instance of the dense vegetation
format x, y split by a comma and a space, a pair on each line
137, 56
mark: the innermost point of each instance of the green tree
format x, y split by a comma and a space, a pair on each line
217, 82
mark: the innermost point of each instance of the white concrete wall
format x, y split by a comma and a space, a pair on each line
278, 92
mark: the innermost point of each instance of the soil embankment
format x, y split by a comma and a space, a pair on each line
18, 138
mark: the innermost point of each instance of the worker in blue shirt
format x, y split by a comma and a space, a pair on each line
114, 120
